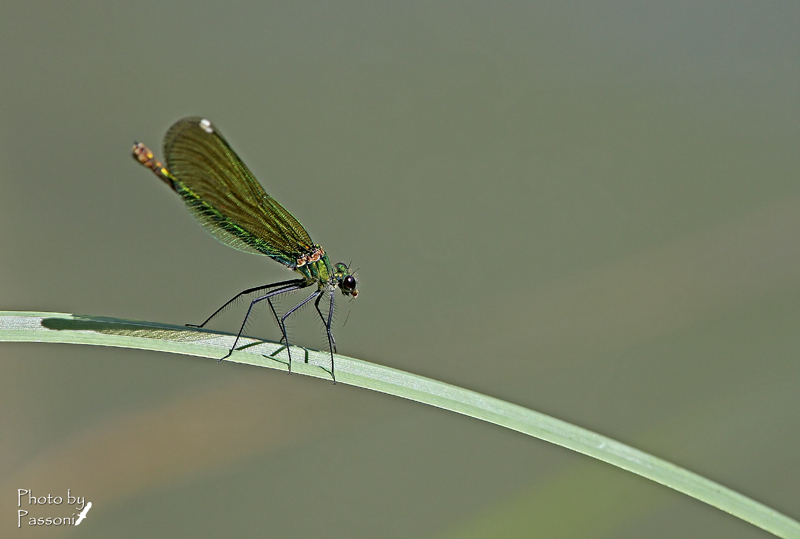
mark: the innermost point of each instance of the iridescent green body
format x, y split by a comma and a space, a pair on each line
319, 271
226, 199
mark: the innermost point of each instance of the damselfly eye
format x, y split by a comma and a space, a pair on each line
348, 284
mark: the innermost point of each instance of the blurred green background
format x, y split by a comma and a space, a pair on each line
589, 208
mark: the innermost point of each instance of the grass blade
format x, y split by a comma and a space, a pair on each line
93, 330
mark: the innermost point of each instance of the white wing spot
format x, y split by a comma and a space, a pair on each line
206, 125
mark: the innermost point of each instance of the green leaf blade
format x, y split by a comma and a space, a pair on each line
74, 329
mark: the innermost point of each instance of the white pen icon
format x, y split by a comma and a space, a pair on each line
83, 513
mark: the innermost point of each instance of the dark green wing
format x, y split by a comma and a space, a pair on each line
222, 194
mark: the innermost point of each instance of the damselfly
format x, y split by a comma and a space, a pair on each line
226, 199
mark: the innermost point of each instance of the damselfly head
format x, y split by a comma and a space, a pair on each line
346, 281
